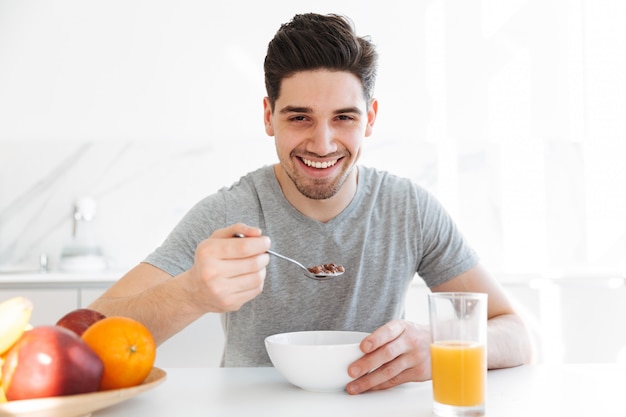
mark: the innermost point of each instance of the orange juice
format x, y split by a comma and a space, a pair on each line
458, 373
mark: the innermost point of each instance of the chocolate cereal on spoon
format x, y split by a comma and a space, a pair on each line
327, 269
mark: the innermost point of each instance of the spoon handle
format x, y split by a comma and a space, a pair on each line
271, 252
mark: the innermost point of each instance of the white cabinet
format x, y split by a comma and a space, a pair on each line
198, 345
87, 295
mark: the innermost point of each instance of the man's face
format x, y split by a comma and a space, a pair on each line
319, 122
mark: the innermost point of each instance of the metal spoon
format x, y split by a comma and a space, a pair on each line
318, 276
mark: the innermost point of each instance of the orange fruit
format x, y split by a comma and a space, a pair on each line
127, 349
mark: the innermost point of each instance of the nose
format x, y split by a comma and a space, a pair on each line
322, 140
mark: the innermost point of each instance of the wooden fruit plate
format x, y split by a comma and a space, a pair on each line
80, 404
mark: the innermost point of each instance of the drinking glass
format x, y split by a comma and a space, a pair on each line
458, 350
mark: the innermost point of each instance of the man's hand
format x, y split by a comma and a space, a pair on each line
227, 271
395, 353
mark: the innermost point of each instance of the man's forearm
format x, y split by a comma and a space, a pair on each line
509, 342
162, 307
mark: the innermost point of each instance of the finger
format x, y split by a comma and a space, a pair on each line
378, 349
386, 364
242, 228
231, 260
254, 244
245, 230
250, 283
249, 247
382, 336
402, 378
229, 294
223, 246
405, 368
233, 300
236, 268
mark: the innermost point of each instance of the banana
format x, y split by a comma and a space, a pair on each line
15, 315
3, 397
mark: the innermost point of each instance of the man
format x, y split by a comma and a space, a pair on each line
318, 207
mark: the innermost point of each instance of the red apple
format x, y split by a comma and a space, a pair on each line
79, 320
48, 361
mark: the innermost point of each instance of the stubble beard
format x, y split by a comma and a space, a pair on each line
318, 189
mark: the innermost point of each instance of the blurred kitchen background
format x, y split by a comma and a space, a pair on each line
513, 112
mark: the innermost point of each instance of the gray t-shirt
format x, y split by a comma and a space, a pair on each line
391, 230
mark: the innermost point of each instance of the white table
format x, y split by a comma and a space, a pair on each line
535, 390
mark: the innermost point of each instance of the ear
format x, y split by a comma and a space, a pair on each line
372, 112
267, 117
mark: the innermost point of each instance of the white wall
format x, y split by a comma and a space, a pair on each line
510, 111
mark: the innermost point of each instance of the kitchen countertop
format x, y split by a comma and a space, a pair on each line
532, 390
26, 279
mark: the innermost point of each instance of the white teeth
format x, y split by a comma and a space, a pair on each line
319, 165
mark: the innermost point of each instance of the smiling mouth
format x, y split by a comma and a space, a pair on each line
319, 165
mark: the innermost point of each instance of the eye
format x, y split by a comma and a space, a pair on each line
346, 117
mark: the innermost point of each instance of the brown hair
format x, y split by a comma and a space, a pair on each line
313, 41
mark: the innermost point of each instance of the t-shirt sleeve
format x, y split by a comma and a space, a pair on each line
176, 254
445, 251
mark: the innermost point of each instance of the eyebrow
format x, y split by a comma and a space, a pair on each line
297, 109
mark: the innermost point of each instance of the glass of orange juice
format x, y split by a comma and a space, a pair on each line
458, 352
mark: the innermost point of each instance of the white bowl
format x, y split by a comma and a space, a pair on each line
315, 360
